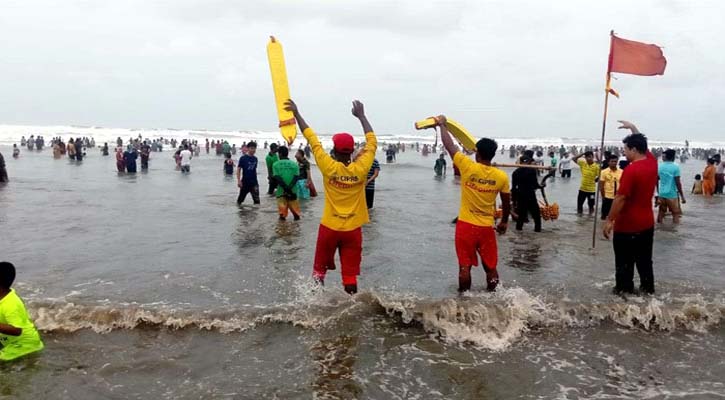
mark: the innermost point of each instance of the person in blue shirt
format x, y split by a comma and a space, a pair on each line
669, 188
247, 175
129, 157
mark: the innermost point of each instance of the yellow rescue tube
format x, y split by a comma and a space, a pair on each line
457, 130
287, 124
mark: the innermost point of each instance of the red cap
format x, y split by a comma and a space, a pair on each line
344, 143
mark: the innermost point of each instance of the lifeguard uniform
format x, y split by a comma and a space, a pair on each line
345, 208
475, 233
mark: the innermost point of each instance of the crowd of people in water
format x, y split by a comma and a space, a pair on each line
560, 158
626, 178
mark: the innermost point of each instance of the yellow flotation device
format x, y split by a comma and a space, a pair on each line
287, 123
457, 130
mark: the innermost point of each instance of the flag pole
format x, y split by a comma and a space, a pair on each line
604, 128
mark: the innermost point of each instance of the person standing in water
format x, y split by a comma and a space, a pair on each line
104, 149
185, 159
670, 188
286, 173
303, 189
553, 162
269, 161
16, 151
609, 182
247, 175
588, 187
129, 158
565, 166
524, 184
345, 209
228, 166
3, 170
440, 165
120, 162
719, 174
631, 216
708, 178
480, 184
79, 149
370, 183
145, 154
71, 148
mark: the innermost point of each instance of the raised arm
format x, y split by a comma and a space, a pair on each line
290, 105
371, 142
628, 125
321, 157
358, 110
446, 138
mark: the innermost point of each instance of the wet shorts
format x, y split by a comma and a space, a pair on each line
350, 245
284, 206
671, 205
473, 241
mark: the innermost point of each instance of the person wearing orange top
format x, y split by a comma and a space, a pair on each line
345, 209
480, 184
708, 178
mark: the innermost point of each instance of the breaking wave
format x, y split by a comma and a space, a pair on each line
490, 321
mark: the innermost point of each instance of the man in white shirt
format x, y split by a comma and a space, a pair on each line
565, 166
185, 159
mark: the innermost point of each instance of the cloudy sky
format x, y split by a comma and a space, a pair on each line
502, 68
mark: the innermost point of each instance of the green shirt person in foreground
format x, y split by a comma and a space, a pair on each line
18, 336
286, 173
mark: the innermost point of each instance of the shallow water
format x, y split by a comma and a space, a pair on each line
158, 286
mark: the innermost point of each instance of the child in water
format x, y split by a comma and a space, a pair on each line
228, 164
18, 336
697, 186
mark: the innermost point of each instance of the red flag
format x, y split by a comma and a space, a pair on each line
636, 58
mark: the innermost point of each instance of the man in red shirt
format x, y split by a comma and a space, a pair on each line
632, 215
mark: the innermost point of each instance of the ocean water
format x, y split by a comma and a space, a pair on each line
10, 134
156, 285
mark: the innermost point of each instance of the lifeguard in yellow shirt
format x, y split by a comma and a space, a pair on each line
480, 184
345, 208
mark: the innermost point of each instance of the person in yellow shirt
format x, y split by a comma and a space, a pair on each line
588, 187
480, 184
18, 336
609, 183
345, 207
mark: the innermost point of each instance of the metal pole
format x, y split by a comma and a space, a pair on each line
601, 146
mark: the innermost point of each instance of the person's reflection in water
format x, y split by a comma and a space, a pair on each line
334, 360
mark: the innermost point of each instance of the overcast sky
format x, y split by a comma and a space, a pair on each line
501, 68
